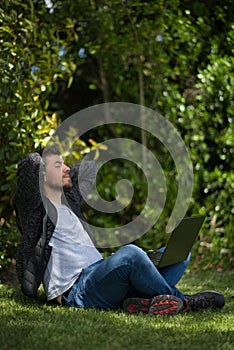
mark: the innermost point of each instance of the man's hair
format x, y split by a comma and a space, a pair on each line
51, 150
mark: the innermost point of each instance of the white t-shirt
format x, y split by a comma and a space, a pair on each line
72, 251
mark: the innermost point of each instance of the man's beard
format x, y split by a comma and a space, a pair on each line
59, 187
67, 186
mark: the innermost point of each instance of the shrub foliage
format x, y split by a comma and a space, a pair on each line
177, 58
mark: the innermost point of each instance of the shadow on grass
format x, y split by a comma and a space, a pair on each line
57, 328
32, 324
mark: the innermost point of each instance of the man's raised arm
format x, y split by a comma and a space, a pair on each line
27, 196
83, 177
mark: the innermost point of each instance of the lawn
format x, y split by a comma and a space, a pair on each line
29, 324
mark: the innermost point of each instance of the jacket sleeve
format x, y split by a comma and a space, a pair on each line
83, 177
28, 194
29, 210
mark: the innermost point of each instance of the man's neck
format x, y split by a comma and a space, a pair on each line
53, 195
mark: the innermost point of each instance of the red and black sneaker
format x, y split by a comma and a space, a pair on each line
159, 305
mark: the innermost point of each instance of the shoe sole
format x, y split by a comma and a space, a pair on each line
165, 305
159, 305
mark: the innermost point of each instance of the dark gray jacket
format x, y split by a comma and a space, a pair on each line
36, 217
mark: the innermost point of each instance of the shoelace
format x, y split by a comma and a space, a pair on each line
198, 304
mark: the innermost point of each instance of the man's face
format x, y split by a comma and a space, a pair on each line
56, 173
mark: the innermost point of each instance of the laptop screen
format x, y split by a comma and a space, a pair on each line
181, 240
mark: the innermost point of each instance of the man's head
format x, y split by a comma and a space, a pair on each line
56, 173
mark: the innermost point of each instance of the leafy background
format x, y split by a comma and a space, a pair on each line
176, 57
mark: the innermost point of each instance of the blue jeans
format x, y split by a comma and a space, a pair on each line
126, 273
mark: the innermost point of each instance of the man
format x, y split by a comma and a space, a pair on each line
57, 248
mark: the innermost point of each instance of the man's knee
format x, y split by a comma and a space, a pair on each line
132, 253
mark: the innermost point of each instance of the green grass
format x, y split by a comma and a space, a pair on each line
29, 324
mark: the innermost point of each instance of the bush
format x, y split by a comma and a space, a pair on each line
9, 238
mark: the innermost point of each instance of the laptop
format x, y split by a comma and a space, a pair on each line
180, 242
